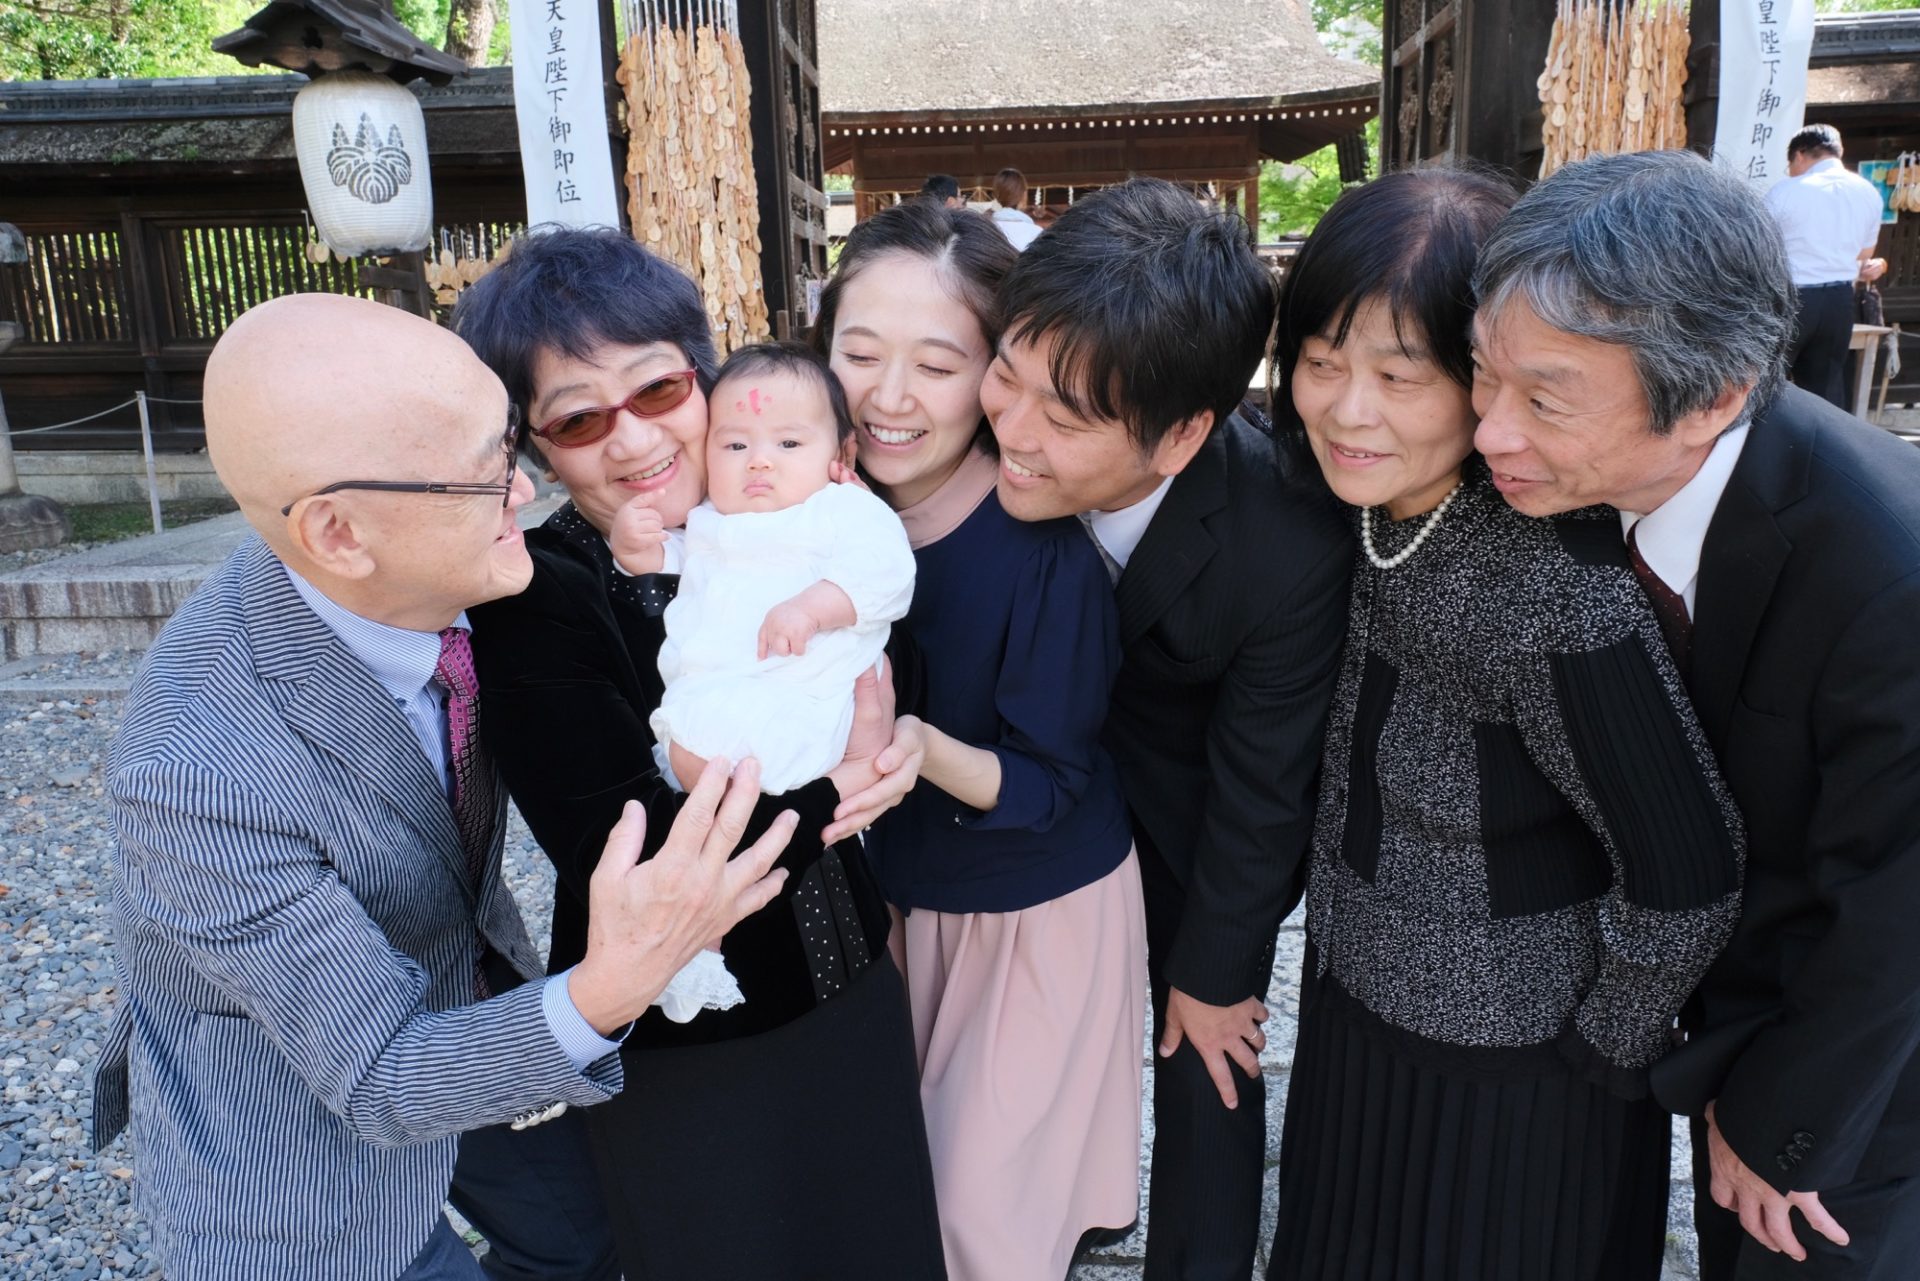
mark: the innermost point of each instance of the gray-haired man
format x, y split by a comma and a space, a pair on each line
1635, 313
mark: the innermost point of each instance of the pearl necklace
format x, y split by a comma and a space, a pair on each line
1378, 561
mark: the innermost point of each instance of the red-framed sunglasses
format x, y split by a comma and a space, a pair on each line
583, 427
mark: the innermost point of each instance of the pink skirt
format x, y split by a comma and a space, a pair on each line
1029, 1028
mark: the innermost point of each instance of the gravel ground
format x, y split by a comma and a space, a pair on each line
68, 1213
10, 561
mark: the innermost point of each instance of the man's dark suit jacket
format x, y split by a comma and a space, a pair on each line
1806, 675
1233, 609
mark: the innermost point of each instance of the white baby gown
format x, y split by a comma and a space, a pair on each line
791, 713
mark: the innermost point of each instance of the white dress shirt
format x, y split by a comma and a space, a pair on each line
1016, 226
1671, 536
1827, 215
1117, 533
403, 661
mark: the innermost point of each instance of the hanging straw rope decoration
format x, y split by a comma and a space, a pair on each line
1615, 75
690, 187
1905, 197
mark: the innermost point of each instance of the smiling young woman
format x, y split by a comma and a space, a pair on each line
1023, 938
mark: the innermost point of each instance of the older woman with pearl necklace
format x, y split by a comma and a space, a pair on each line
1523, 857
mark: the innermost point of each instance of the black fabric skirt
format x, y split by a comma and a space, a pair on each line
1406, 1160
798, 1154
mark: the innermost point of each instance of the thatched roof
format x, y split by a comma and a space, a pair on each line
888, 56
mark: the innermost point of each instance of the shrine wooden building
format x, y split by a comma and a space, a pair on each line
1081, 95
1460, 81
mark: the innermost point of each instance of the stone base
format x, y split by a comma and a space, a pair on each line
75, 476
30, 520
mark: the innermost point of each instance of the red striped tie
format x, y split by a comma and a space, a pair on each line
475, 799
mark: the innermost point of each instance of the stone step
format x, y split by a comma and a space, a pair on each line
112, 597
121, 595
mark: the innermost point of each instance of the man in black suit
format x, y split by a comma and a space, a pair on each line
1131, 331
1634, 316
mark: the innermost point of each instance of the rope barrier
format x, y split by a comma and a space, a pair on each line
35, 431
75, 422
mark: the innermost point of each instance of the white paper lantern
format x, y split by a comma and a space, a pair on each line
362, 143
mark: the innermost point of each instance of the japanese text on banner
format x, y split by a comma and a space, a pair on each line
1763, 85
561, 106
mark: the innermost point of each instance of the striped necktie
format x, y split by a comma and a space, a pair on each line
1106, 557
475, 794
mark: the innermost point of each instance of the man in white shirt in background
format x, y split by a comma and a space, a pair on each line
1010, 191
1830, 218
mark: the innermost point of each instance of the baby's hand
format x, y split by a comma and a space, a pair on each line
841, 474
686, 766
787, 629
638, 539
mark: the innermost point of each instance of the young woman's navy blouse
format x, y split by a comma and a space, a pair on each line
1017, 630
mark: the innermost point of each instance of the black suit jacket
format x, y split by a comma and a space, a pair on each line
1806, 675
1233, 609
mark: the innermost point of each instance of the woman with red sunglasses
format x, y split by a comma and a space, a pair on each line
781, 1138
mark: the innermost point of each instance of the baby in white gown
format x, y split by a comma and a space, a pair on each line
790, 584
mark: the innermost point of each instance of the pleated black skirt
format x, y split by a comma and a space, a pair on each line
795, 1155
1406, 1160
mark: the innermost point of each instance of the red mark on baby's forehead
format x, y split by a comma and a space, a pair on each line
756, 400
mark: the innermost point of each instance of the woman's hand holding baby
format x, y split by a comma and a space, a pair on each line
638, 538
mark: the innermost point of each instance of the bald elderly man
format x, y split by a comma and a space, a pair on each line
330, 1009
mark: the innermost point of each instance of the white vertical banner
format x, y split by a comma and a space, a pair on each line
562, 109
1764, 46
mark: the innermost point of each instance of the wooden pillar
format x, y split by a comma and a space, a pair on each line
1252, 206
1702, 93
787, 143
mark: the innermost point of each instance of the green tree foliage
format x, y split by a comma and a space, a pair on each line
78, 39
1350, 28
83, 39
1293, 196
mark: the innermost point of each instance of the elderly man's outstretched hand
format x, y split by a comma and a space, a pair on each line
646, 920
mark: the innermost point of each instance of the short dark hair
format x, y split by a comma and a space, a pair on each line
796, 360
941, 186
570, 290
1814, 140
1158, 304
1010, 188
965, 248
1407, 240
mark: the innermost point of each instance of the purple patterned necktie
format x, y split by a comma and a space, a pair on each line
474, 798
